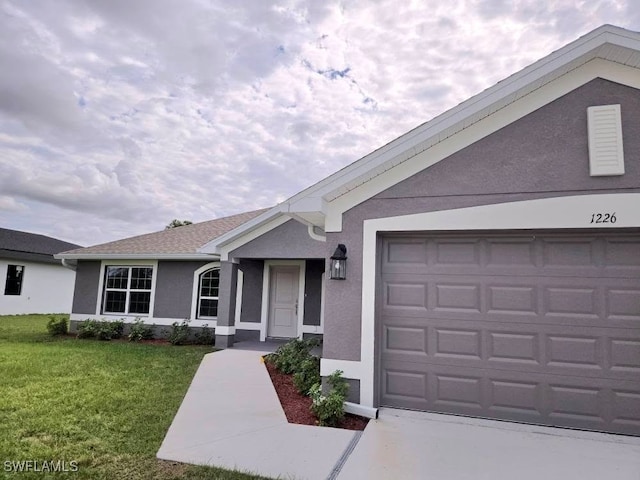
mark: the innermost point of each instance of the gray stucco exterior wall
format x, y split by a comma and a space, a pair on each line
544, 154
251, 290
174, 289
313, 291
85, 293
289, 240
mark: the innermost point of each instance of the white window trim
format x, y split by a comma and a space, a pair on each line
127, 263
571, 212
195, 293
266, 280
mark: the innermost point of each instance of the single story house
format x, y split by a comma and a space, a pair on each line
32, 280
492, 255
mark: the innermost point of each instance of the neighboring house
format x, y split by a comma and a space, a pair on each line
493, 255
31, 280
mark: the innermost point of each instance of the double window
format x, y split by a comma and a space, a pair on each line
127, 290
208, 293
13, 285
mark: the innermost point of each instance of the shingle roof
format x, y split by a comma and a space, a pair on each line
185, 240
31, 246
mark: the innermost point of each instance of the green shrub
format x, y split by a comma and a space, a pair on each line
57, 326
105, 331
140, 331
117, 328
329, 408
179, 334
101, 329
88, 329
308, 375
290, 356
205, 336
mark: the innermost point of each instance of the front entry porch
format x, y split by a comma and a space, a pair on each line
264, 299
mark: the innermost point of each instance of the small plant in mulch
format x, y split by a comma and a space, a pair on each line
101, 329
307, 375
139, 331
290, 356
295, 374
329, 407
205, 336
179, 334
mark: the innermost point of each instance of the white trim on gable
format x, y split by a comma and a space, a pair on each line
571, 212
596, 68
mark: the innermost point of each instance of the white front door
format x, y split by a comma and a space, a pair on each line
283, 301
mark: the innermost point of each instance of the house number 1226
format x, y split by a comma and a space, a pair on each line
603, 218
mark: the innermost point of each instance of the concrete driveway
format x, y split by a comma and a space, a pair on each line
407, 445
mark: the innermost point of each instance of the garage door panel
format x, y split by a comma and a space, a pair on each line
538, 327
530, 348
601, 404
622, 253
596, 255
582, 302
623, 304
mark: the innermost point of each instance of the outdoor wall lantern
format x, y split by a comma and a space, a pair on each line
339, 263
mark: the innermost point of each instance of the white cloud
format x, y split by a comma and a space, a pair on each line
116, 117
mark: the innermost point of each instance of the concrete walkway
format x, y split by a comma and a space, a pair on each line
406, 445
231, 417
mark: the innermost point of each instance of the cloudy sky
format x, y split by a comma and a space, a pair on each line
118, 116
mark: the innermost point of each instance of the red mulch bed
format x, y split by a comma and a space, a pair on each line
297, 407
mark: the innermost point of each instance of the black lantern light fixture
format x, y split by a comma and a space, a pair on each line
338, 263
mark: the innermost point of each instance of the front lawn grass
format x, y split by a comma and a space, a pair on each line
105, 405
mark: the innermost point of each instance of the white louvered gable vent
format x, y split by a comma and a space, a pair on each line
606, 156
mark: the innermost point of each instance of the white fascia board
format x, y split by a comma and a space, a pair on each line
306, 204
214, 245
596, 68
136, 256
334, 186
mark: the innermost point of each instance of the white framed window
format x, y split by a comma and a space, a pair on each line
127, 289
208, 291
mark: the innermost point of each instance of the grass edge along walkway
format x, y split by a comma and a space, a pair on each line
104, 405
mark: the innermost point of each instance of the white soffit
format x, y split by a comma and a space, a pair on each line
606, 156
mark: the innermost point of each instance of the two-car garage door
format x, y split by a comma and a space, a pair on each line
537, 327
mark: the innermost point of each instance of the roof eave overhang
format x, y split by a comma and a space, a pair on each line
135, 256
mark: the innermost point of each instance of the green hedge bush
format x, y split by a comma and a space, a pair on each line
57, 326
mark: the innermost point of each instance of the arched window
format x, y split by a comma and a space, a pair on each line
208, 293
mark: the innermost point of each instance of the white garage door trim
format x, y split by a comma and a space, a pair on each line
549, 213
